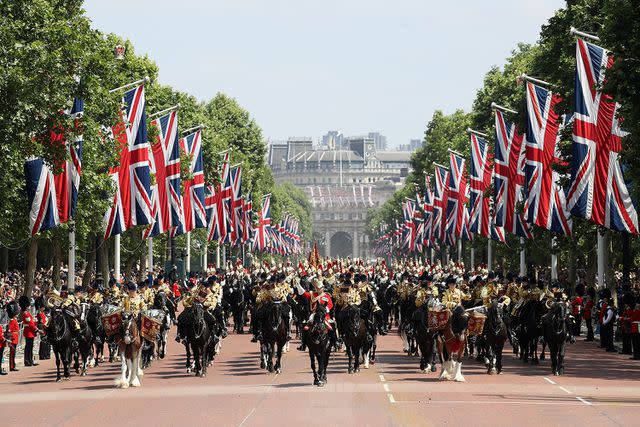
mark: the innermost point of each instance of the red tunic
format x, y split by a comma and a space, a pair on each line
42, 319
176, 290
14, 328
603, 311
319, 297
3, 341
588, 306
30, 329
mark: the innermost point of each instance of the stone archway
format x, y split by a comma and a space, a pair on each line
341, 245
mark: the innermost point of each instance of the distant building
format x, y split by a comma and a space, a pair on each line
412, 146
342, 185
380, 141
333, 139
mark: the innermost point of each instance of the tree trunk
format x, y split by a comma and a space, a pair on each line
57, 257
129, 267
32, 258
91, 260
4, 267
572, 263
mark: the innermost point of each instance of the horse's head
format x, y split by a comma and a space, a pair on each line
319, 325
459, 322
128, 328
160, 301
558, 312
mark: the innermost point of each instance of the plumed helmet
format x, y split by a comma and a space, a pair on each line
24, 302
12, 308
318, 283
131, 286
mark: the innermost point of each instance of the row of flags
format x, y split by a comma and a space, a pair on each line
522, 170
149, 190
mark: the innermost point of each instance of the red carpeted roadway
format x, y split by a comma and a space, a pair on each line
598, 389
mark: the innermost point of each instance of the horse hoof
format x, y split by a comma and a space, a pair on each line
270, 369
262, 365
434, 368
316, 382
83, 374
58, 379
350, 371
203, 375
356, 370
278, 371
135, 383
320, 384
67, 378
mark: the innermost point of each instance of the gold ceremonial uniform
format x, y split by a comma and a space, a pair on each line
489, 292
96, 298
422, 296
451, 298
133, 305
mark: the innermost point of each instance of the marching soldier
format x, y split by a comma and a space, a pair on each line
316, 298
14, 330
44, 352
3, 344
29, 331
71, 306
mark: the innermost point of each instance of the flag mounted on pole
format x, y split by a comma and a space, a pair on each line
598, 191
456, 196
545, 204
132, 200
440, 194
193, 204
480, 180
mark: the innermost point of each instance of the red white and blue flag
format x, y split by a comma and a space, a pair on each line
456, 196
53, 198
236, 203
508, 178
132, 200
165, 164
545, 204
427, 208
440, 194
247, 225
211, 201
261, 242
598, 191
193, 204
480, 180
225, 194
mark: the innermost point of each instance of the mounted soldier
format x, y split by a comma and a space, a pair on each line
318, 297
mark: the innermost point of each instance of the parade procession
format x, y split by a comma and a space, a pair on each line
167, 258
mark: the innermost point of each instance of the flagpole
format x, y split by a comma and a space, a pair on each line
574, 32
137, 82
188, 266
150, 254
489, 255
166, 110
459, 250
523, 265
554, 259
71, 275
218, 255
205, 257
473, 259
116, 257
600, 252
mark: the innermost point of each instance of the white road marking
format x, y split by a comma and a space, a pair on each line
549, 381
382, 378
564, 389
391, 399
386, 387
586, 402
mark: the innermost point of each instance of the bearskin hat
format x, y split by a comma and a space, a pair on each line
24, 302
12, 308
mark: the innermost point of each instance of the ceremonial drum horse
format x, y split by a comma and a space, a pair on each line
129, 342
59, 333
495, 335
354, 330
452, 343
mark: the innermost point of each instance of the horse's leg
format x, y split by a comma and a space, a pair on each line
534, 351
457, 367
122, 381
499, 349
270, 351
57, 355
66, 361
544, 346
76, 361
350, 356
553, 351
196, 358
560, 367
278, 367
135, 369
312, 358
356, 358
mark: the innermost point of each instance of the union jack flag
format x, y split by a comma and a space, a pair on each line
545, 204
261, 243
236, 205
164, 160
427, 207
598, 191
456, 196
53, 198
225, 194
409, 212
480, 180
508, 177
193, 204
213, 224
132, 199
497, 233
41, 192
440, 193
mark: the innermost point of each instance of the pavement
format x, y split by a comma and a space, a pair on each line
598, 388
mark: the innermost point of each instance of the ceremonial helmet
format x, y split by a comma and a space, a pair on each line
318, 283
24, 302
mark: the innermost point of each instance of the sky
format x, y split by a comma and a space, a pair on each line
304, 67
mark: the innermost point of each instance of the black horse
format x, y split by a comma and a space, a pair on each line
94, 320
387, 296
198, 339
83, 348
425, 339
405, 329
60, 336
354, 332
235, 298
319, 343
274, 334
494, 336
556, 327
529, 330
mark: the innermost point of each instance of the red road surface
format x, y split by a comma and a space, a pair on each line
598, 389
